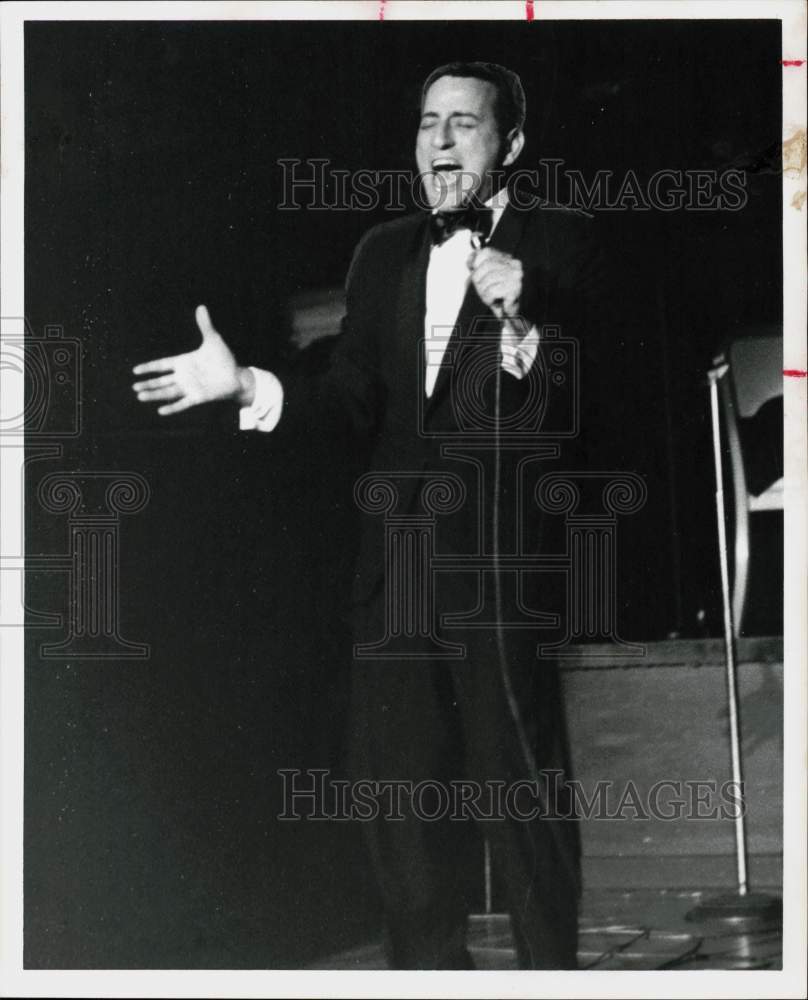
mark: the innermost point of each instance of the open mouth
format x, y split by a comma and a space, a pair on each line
445, 167
446, 182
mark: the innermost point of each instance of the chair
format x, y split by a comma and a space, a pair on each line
752, 376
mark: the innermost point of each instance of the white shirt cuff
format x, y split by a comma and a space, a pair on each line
518, 351
265, 410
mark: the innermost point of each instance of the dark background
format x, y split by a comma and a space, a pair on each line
151, 186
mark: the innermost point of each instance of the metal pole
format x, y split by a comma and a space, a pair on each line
489, 901
742, 909
729, 636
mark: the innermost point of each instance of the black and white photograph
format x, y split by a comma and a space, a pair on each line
403, 449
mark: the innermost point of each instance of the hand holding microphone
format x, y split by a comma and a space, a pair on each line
497, 278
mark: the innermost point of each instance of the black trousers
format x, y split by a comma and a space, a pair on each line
448, 722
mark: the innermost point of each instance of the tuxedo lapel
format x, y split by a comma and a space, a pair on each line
404, 309
412, 287
508, 234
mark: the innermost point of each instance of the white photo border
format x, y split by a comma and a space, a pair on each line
790, 982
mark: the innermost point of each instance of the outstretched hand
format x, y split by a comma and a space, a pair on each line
205, 375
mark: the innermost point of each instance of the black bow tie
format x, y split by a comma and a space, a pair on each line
445, 224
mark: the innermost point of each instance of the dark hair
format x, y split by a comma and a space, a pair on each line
510, 105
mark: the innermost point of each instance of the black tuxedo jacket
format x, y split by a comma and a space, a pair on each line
375, 380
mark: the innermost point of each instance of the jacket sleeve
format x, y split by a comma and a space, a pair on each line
347, 391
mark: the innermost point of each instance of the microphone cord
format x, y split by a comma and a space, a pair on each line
528, 755
502, 653
478, 241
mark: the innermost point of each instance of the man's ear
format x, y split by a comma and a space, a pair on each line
514, 142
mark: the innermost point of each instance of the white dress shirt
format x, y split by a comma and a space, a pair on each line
447, 280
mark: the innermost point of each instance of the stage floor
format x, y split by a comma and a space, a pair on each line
639, 929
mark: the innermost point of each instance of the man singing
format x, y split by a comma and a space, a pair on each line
458, 289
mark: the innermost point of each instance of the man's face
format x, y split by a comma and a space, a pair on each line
458, 142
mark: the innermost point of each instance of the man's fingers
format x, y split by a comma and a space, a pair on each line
168, 365
155, 383
499, 261
493, 272
181, 404
494, 283
480, 264
204, 323
151, 367
498, 295
153, 395
479, 257
488, 255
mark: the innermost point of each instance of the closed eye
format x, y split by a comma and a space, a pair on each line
457, 120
